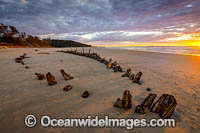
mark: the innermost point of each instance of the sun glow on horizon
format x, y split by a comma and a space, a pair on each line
129, 38
192, 39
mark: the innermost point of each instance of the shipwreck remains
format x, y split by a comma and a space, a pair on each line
65, 75
137, 78
40, 76
146, 104
128, 73
67, 88
51, 79
118, 103
164, 106
126, 101
20, 59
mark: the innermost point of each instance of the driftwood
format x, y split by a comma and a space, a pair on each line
22, 62
119, 69
140, 109
165, 106
109, 63
118, 103
40, 76
106, 62
103, 60
127, 100
137, 77
97, 57
65, 75
146, 104
149, 100
19, 60
128, 73
114, 64
131, 77
50, 79
115, 69
67, 88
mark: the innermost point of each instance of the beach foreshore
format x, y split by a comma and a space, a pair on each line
21, 93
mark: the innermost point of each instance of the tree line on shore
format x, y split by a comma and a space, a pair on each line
67, 43
10, 36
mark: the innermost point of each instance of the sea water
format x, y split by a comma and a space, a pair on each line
165, 49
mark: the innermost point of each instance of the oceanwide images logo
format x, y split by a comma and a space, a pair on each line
128, 123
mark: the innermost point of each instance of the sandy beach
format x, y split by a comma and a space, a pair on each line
21, 93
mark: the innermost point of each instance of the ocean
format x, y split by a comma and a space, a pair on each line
165, 49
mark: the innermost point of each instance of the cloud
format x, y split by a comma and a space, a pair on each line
107, 36
194, 36
103, 20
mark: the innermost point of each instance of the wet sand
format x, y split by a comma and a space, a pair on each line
21, 93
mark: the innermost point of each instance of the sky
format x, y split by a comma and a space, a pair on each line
108, 22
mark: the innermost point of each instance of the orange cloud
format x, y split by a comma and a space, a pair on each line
179, 40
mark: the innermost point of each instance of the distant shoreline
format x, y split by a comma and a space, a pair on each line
182, 50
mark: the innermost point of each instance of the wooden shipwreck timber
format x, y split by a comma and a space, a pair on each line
21, 58
95, 56
164, 106
110, 64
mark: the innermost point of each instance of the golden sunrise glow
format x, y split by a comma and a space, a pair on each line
179, 40
193, 36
